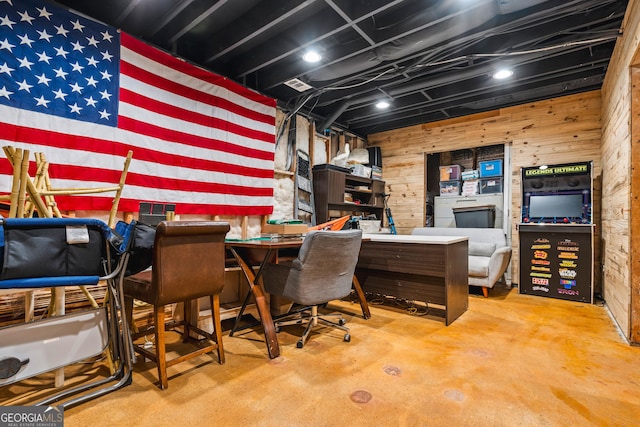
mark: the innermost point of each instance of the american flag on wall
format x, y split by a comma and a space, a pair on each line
84, 94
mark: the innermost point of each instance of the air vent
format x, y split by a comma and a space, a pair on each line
298, 85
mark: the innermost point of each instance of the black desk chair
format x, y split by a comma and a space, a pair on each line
322, 272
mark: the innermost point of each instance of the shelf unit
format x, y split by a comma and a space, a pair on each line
330, 188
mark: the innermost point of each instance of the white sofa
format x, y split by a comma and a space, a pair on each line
489, 254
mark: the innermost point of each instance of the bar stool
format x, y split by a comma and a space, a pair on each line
188, 263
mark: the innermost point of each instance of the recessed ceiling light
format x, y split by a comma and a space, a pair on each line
382, 105
502, 74
312, 56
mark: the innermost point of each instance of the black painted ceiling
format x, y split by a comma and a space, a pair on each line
431, 60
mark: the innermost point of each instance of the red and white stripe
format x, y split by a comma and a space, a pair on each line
199, 140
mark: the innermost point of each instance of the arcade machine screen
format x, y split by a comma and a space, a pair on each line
556, 207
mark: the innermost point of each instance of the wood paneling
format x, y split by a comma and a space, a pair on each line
634, 255
602, 126
620, 183
559, 130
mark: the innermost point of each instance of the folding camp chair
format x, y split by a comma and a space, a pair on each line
55, 252
38, 195
29, 196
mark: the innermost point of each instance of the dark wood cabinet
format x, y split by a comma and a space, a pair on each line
338, 193
433, 271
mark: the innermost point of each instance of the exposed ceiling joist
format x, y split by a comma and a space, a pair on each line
433, 60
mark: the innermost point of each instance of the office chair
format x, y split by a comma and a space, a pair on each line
188, 263
322, 272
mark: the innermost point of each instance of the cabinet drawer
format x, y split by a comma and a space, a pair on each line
403, 258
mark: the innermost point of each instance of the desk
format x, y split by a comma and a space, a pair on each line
432, 269
259, 252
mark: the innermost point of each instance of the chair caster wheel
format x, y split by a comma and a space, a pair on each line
347, 338
300, 344
341, 322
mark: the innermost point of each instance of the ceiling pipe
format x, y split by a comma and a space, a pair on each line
433, 54
447, 20
469, 99
437, 24
477, 71
509, 6
335, 114
443, 79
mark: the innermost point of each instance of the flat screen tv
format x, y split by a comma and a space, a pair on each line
556, 206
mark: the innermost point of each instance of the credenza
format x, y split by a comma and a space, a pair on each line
430, 269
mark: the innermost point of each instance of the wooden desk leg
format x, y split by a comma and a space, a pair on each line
263, 307
363, 300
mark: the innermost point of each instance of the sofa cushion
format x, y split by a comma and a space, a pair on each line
478, 266
481, 249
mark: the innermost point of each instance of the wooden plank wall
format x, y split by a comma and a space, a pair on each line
559, 130
633, 267
620, 157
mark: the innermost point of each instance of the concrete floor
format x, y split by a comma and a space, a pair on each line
510, 360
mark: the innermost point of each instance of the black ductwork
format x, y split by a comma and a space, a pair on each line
444, 21
454, 26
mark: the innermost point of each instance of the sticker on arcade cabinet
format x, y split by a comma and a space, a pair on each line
540, 262
565, 273
540, 285
567, 255
567, 288
558, 170
568, 263
538, 281
568, 245
545, 275
568, 242
535, 268
540, 255
540, 288
545, 246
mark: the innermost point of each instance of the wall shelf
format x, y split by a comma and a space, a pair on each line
330, 186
